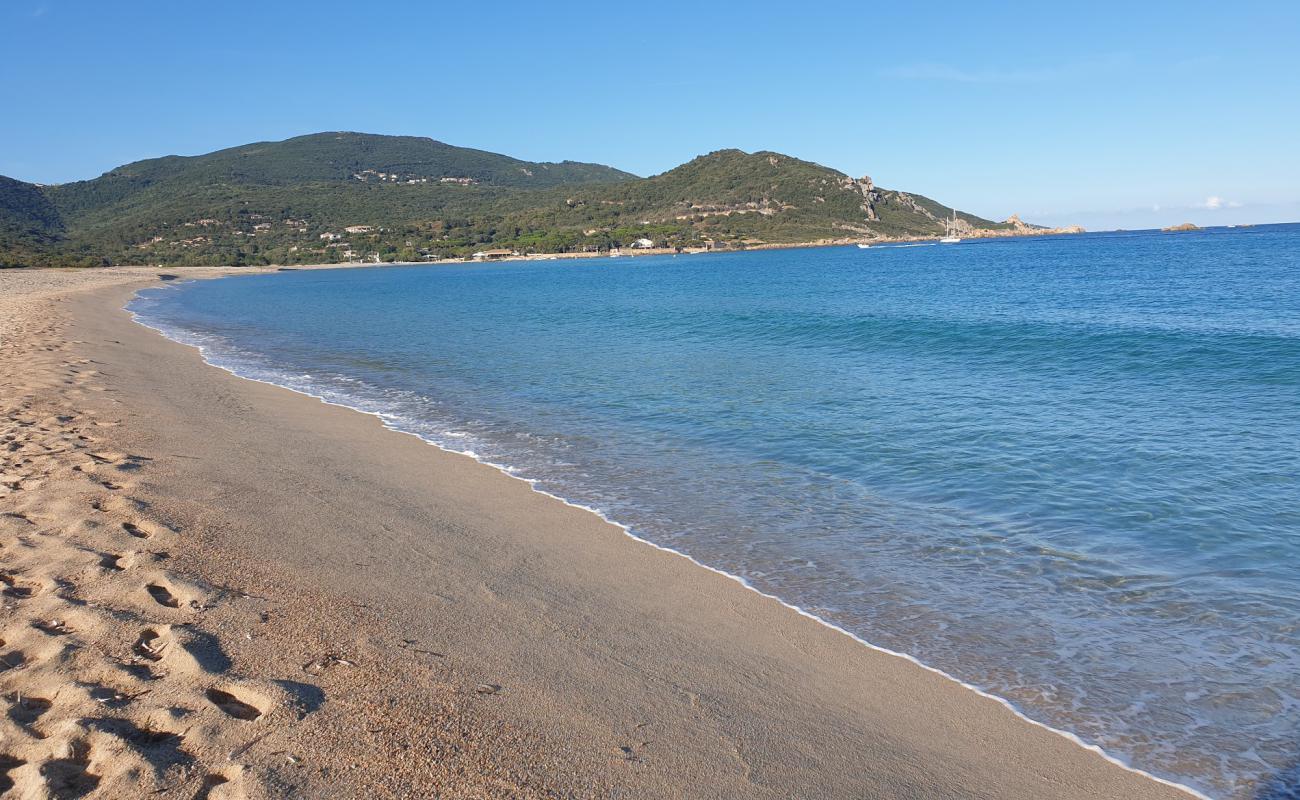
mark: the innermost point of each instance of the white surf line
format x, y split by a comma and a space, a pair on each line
532, 484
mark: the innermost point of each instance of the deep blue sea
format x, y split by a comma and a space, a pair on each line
1064, 470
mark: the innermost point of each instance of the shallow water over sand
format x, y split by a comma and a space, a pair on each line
1064, 470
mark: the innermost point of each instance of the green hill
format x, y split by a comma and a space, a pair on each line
409, 198
349, 158
29, 223
744, 198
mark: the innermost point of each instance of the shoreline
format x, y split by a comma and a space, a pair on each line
816, 713
507, 471
580, 255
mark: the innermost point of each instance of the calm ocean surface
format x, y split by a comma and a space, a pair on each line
1065, 470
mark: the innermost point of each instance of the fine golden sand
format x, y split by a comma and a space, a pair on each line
214, 588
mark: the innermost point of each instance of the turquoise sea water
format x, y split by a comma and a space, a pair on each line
1064, 470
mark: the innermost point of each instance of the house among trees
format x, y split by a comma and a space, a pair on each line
643, 244
492, 255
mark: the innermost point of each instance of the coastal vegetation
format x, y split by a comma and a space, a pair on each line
336, 197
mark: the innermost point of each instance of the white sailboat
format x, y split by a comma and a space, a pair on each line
950, 230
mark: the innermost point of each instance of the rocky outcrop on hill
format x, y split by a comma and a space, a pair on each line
870, 196
1017, 223
1018, 227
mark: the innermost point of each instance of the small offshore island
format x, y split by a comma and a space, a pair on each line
338, 198
1186, 226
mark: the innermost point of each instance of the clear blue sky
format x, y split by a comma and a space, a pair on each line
1110, 115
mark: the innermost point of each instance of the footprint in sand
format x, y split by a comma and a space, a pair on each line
14, 659
109, 697
163, 595
70, 777
152, 644
121, 461
210, 782
232, 705
18, 590
158, 652
52, 627
8, 764
25, 711
161, 748
118, 503
142, 529
171, 592
115, 562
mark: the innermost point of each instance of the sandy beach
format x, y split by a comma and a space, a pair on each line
216, 588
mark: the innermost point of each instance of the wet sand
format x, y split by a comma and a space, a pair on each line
219, 588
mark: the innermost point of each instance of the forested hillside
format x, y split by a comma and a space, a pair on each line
30, 225
333, 197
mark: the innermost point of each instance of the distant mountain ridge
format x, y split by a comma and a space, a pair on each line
343, 156
349, 196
